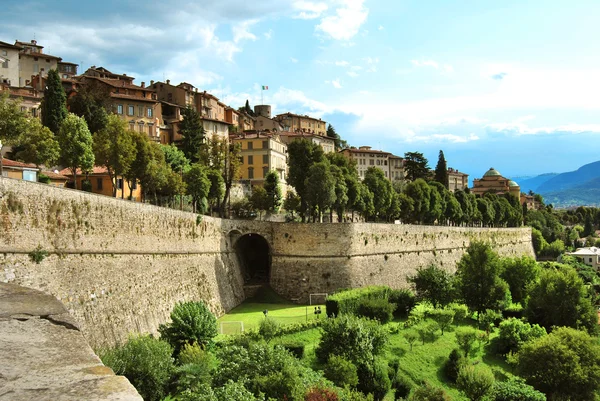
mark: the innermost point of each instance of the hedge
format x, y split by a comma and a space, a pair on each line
348, 301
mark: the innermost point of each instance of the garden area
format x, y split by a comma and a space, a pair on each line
500, 329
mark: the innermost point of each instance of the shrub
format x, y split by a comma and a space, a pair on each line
411, 336
294, 348
86, 185
465, 337
191, 323
403, 385
348, 301
443, 317
426, 330
376, 308
513, 310
434, 285
475, 381
341, 371
374, 379
195, 354
404, 300
43, 178
355, 338
429, 393
268, 329
420, 312
514, 333
455, 361
460, 311
515, 390
321, 394
146, 362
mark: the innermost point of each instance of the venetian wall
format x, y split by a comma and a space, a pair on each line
120, 267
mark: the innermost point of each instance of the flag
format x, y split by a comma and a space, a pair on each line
265, 88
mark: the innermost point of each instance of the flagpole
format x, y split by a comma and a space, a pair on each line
262, 91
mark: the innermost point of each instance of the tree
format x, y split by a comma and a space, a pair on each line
140, 166
273, 191
13, 121
478, 278
475, 381
92, 102
248, 109
39, 146
381, 188
175, 158
198, 185
560, 298
429, 393
465, 337
565, 365
302, 155
514, 333
339, 143
341, 193
191, 323
588, 228
217, 187
441, 170
419, 193
437, 204
192, 131
260, 200
454, 213
433, 284
54, 103
411, 336
515, 390
416, 166
76, 145
341, 371
443, 317
114, 148
320, 189
291, 202
519, 273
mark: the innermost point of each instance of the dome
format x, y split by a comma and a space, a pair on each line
511, 183
492, 173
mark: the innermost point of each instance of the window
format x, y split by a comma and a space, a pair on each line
132, 125
151, 130
265, 144
5, 63
119, 109
99, 184
119, 183
265, 171
250, 145
31, 176
134, 185
250, 159
371, 162
241, 159
141, 127
385, 162
130, 110
149, 112
265, 159
378, 162
140, 111
36, 68
250, 172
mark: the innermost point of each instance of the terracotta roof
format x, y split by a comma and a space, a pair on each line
55, 176
97, 170
67, 62
12, 163
118, 83
41, 55
298, 115
133, 97
365, 151
215, 120
4, 44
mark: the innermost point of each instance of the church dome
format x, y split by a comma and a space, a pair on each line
511, 183
492, 173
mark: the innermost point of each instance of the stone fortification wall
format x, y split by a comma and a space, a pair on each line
326, 257
118, 266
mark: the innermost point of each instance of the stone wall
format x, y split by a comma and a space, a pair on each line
120, 267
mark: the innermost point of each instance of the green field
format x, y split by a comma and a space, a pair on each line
424, 362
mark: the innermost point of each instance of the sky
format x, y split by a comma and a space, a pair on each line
513, 85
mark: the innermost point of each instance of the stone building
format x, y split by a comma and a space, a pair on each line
457, 180
31, 99
492, 181
261, 152
326, 143
9, 64
366, 157
294, 123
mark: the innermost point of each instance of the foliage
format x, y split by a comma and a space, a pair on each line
339, 143
259, 199
560, 298
354, 338
460, 311
404, 300
443, 317
192, 132
341, 371
419, 194
416, 166
475, 381
13, 121
92, 102
38, 255
452, 366
54, 103
564, 364
478, 278
175, 158
295, 348
230, 391
411, 336
515, 390
268, 328
291, 202
518, 274
39, 146
302, 155
141, 166
433, 284
426, 330
191, 323
273, 191
243, 209
441, 170
427, 392
382, 190
198, 185
76, 145
217, 186
319, 189
145, 361
403, 385
373, 378
514, 333
465, 337
376, 308
321, 394
348, 301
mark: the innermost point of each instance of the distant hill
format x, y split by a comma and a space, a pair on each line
570, 180
533, 183
586, 194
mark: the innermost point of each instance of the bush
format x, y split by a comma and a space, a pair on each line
295, 348
475, 381
86, 185
429, 393
455, 361
420, 312
514, 333
443, 317
403, 385
460, 311
515, 390
43, 178
321, 394
465, 337
376, 308
195, 354
191, 323
354, 338
411, 336
426, 330
230, 391
513, 310
434, 285
348, 301
341, 371
268, 329
404, 300
374, 379
146, 362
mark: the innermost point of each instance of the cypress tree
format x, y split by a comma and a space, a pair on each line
54, 104
441, 170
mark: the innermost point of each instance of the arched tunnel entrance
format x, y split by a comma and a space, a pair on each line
254, 255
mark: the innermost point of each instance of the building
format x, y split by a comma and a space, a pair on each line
232, 116
246, 121
294, 122
326, 143
101, 183
261, 152
56, 179
137, 105
267, 124
590, 256
457, 180
31, 99
492, 181
19, 170
9, 64
67, 70
366, 157
33, 61
530, 202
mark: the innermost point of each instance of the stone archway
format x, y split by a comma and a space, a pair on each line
254, 255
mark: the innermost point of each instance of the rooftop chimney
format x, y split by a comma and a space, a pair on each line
143, 84
34, 42
168, 82
151, 82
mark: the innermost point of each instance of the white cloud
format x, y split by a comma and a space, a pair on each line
309, 9
443, 138
448, 68
425, 63
241, 32
336, 83
381, 28
371, 64
342, 63
293, 60
269, 34
345, 24
352, 74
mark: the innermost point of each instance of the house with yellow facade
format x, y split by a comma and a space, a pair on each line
326, 143
101, 183
19, 170
457, 180
261, 152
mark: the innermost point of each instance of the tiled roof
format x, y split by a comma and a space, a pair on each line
298, 115
133, 97
12, 163
4, 44
96, 170
55, 176
118, 83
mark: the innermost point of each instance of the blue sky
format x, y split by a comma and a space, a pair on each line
512, 84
